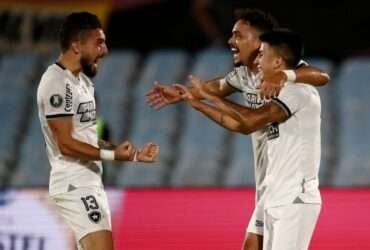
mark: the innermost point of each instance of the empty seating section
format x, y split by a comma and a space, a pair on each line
202, 143
112, 85
354, 123
195, 152
153, 126
16, 72
328, 125
33, 166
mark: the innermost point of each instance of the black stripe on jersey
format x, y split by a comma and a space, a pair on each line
60, 65
239, 90
58, 116
283, 106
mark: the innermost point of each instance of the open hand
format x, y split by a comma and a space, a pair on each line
162, 95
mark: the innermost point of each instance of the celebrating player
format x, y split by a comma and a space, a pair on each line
289, 205
245, 43
67, 114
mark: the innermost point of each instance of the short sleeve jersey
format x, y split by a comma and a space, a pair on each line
60, 95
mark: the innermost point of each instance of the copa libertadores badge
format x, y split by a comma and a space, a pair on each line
56, 101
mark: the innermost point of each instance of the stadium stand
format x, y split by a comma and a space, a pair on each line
17, 73
166, 66
195, 152
354, 122
202, 143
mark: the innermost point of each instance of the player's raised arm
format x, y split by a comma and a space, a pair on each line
272, 85
162, 95
243, 120
69, 146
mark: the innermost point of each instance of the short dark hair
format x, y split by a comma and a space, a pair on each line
74, 24
260, 20
288, 44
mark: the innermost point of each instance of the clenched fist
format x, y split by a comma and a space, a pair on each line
124, 152
148, 152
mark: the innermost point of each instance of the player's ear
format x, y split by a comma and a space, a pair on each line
278, 61
75, 46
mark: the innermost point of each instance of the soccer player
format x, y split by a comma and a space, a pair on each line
245, 43
67, 113
291, 201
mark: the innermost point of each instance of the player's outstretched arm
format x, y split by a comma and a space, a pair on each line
272, 84
162, 95
243, 120
62, 131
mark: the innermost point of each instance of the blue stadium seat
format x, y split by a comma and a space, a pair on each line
33, 166
202, 145
112, 88
354, 123
328, 125
166, 66
16, 72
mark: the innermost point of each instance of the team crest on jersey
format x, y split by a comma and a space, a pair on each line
273, 131
95, 216
68, 98
56, 100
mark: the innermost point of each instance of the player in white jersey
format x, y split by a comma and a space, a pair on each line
290, 200
244, 43
67, 113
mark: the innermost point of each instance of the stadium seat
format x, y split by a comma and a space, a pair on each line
33, 166
166, 66
202, 144
16, 82
328, 124
112, 87
353, 124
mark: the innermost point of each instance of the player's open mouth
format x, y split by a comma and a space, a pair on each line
235, 52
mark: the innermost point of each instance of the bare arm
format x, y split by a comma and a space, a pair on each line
62, 131
312, 75
272, 84
239, 119
69, 146
163, 95
251, 121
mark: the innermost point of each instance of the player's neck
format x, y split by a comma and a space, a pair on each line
70, 62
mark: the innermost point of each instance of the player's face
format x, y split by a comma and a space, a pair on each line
93, 47
268, 61
244, 43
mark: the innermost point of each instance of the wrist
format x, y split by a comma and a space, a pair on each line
290, 75
135, 156
106, 154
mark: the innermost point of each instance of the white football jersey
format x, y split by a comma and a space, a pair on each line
294, 148
246, 82
61, 94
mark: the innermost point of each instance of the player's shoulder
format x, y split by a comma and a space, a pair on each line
53, 76
306, 92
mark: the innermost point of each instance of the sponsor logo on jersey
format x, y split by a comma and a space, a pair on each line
87, 111
56, 100
253, 100
259, 223
273, 131
68, 98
